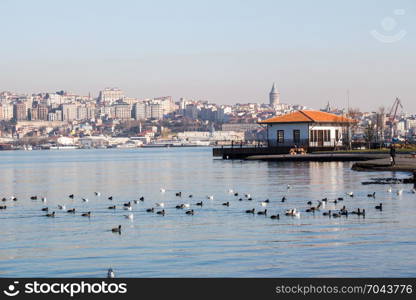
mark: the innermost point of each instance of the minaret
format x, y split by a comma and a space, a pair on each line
274, 96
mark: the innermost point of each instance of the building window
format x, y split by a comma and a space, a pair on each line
314, 136
337, 135
280, 136
296, 136
319, 136
327, 135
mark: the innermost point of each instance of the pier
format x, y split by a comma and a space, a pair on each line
239, 151
320, 157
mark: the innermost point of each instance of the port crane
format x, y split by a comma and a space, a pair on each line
393, 117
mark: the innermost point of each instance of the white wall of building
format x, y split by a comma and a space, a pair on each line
304, 129
288, 129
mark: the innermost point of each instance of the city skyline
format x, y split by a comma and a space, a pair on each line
222, 52
95, 96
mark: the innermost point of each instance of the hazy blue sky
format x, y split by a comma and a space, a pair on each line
222, 51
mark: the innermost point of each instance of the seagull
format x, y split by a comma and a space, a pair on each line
389, 189
162, 190
129, 216
161, 204
85, 199
110, 273
230, 191
62, 207
97, 194
210, 197
288, 187
43, 199
292, 212
263, 203
128, 208
351, 194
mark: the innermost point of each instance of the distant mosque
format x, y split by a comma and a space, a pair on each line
274, 96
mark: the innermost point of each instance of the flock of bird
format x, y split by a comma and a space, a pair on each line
159, 208
190, 209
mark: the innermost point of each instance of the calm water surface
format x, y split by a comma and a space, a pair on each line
217, 241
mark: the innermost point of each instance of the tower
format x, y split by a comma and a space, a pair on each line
274, 96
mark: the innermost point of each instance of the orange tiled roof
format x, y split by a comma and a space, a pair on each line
308, 116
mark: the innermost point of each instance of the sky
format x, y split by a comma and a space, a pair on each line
222, 51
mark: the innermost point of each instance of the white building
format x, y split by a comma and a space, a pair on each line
306, 128
69, 112
109, 95
6, 112
140, 111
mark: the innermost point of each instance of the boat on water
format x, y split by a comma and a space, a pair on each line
63, 147
126, 146
177, 144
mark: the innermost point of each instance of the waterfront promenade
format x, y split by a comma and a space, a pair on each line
323, 157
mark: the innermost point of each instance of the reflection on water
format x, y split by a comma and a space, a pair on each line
217, 241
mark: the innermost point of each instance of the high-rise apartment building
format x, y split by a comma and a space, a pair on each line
140, 111
109, 95
122, 111
69, 112
19, 111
